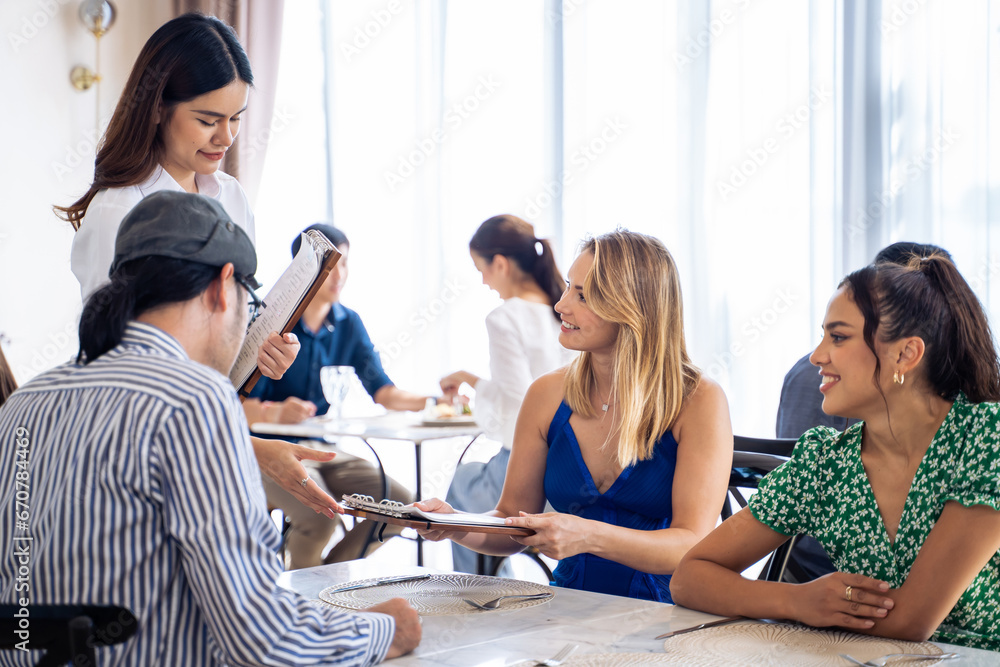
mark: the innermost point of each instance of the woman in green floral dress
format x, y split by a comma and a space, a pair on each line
907, 503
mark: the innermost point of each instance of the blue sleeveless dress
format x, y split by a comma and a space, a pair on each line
640, 498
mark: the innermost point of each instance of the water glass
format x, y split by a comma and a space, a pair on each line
336, 382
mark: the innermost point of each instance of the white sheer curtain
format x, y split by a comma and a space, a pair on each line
436, 125
940, 133
883, 125
773, 146
762, 108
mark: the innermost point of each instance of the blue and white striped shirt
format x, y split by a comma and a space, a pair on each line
142, 491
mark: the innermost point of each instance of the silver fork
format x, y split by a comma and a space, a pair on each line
558, 658
495, 603
881, 662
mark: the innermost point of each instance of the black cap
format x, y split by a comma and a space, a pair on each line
186, 226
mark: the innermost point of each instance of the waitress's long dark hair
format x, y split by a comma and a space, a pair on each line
515, 239
186, 57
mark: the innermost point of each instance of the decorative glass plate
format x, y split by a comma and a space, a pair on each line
778, 644
440, 595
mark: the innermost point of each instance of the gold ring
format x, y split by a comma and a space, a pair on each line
849, 594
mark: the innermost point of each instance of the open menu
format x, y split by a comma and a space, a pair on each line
391, 511
284, 303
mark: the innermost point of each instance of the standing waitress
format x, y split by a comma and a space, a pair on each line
178, 115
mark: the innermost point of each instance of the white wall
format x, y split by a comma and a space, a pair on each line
47, 157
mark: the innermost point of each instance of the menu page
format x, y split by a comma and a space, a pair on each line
281, 302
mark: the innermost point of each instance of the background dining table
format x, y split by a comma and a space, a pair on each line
598, 623
408, 427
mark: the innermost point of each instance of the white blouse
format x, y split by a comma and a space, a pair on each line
94, 243
524, 344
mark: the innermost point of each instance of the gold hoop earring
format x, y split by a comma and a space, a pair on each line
898, 378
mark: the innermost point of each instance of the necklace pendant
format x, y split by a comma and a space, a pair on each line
604, 407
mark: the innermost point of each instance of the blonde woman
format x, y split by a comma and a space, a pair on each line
629, 443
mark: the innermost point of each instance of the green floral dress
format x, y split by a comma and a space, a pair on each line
823, 491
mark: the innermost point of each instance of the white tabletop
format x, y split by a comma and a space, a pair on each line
598, 623
406, 426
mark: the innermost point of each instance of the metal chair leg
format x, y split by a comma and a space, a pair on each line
774, 569
530, 552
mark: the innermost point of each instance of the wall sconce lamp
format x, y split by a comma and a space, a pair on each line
97, 16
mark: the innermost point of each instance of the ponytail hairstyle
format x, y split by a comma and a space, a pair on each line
188, 56
928, 298
634, 283
901, 252
136, 287
7, 382
515, 239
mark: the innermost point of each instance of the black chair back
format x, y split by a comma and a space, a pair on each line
776, 446
801, 558
67, 633
753, 458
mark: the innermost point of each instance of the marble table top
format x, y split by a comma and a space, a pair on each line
598, 623
406, 426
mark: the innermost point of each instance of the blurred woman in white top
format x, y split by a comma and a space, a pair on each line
524, 344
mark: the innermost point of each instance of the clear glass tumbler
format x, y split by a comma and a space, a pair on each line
336, 382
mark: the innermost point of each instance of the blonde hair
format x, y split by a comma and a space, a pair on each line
633, 283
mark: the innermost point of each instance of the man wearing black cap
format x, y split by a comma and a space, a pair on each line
137, 473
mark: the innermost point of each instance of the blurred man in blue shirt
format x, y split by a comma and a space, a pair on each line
330, 335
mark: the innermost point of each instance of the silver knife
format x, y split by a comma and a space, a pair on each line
380, 582
703, 625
